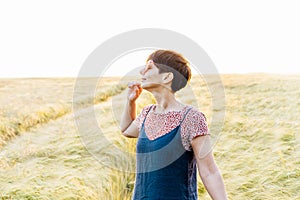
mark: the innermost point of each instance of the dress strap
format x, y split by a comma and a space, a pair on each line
147, 113
185, 114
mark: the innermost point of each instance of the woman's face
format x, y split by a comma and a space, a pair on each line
151, 77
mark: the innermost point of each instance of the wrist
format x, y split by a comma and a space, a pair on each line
131, 102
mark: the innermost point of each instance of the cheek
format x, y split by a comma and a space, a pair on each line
150, 74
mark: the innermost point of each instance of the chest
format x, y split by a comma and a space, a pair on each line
157, 125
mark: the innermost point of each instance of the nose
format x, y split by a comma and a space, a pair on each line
143, 70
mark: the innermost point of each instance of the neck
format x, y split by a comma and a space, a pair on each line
166, 101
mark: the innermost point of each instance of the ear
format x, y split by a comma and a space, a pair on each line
168, 77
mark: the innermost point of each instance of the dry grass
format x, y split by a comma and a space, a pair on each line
257, 151
25, 103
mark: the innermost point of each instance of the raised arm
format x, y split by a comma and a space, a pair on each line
208, 170
128, 128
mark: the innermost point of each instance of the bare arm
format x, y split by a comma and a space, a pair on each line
208, 170
129, 114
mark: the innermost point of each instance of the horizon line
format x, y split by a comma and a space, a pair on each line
118, 76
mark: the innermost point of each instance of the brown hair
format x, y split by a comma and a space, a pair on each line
171, 61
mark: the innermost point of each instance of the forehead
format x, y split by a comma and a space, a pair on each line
149, 62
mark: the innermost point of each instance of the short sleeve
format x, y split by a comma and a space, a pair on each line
194, 125
140, 118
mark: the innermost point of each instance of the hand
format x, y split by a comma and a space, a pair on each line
134, 90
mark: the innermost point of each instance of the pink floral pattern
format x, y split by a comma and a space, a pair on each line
159, 124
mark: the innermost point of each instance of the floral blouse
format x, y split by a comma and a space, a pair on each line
159, 124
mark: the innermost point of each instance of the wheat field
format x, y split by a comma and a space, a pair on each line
50, 151
25, 103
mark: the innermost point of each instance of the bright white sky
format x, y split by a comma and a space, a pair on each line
53, 38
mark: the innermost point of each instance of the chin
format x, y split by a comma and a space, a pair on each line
144, 85
147, 86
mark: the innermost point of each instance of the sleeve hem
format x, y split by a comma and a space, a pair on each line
200, 134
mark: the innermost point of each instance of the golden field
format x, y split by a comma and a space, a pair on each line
44, 154
25, 103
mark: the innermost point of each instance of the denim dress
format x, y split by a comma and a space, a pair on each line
165, 170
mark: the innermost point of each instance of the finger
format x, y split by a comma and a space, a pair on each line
133, 83
136, 88
140, 87
132, 95
138, 91
130, 84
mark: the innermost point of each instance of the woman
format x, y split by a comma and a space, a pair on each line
173, 138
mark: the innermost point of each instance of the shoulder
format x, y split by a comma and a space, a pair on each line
146, 109
195, 123
195, 115
140, 118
